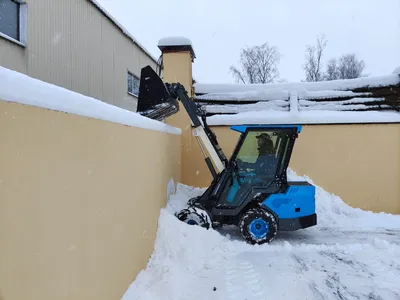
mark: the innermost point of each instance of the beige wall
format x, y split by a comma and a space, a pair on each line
359, 163
79, 203
178, 68
70, 43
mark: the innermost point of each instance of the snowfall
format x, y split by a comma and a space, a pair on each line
350, 254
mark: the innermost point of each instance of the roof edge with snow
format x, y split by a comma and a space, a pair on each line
361, 100
46, 95
321, 117
335, 85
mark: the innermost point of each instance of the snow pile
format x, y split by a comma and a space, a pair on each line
334, 212
397, 71
183, 255
20, 88
351, 254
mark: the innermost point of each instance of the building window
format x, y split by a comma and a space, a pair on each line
13, 16
133, 84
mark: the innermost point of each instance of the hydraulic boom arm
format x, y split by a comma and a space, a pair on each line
153, 88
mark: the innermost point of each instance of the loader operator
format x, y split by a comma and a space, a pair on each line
266, 161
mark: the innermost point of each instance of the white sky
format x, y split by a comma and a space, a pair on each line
218, 30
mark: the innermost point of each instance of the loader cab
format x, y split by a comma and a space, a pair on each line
263, 152
257, 165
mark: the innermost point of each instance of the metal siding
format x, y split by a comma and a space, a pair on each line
38, 56
70, 43
144, 60
12, 56
61, 56
107, 50
80, 54
122, 56
95, 54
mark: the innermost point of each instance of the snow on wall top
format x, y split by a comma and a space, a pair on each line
122, 28
334, 85
175, 41
20, 88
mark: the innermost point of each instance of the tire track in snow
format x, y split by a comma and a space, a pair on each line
242, 281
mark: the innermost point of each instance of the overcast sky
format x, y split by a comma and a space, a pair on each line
219, 29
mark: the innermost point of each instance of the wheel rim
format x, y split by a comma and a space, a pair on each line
191, 222
258, 228
195, 216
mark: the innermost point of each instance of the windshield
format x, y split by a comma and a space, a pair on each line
261, 153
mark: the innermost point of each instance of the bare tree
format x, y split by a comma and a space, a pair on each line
259, 64
332, 71
346, 67
350, 66
313, 65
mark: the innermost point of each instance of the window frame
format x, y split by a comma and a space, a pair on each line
129, 73
23, 17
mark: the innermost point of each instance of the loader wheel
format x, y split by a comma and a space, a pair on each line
193, 215
258, 226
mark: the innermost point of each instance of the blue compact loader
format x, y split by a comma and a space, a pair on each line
250, 189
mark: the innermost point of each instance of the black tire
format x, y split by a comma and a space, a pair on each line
258, 226
193, 215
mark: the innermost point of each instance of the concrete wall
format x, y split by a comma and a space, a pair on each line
72, 44
79, 203
359, 163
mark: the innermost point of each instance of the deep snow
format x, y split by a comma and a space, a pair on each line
350, 254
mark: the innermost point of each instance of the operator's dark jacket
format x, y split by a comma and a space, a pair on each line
265, 165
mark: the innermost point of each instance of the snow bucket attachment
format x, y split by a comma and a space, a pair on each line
154, 99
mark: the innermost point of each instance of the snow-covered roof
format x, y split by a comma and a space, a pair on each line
306, 117
360, 100
42, 94
333, 85
122, 28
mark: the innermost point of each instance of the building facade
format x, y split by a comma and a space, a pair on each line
75, 44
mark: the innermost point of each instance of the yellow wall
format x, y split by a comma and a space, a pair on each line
178, 68
359, 163
79, 203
